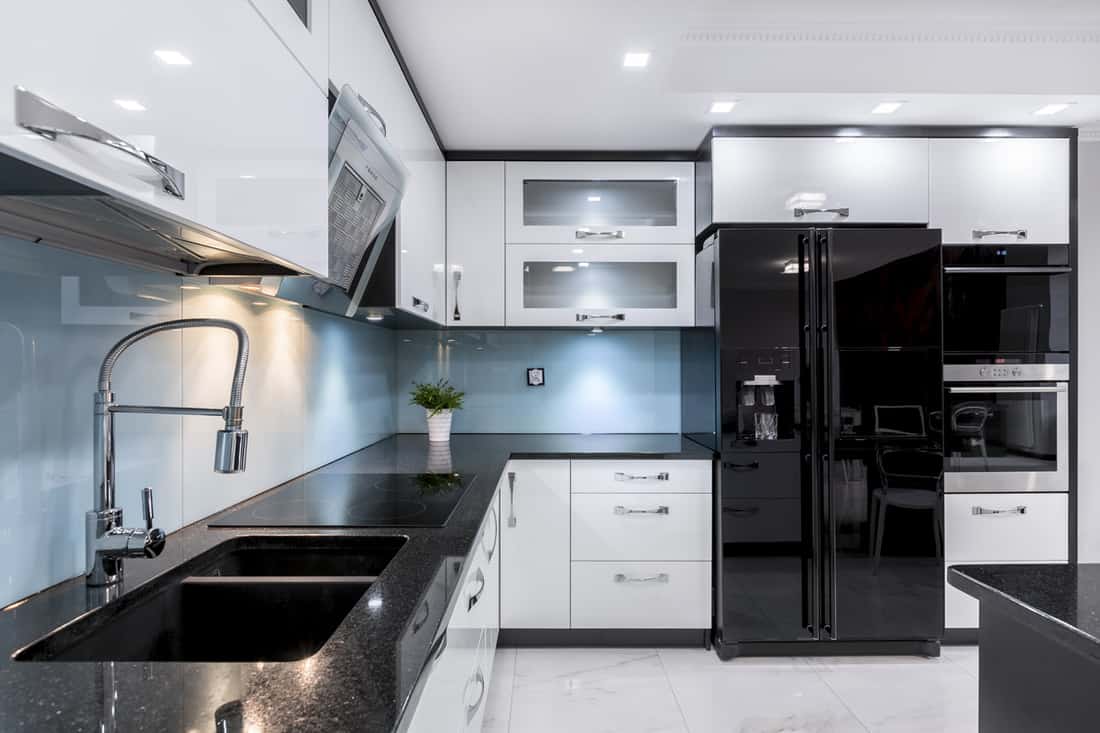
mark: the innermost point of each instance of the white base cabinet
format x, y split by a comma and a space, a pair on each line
641, 595
1000, 190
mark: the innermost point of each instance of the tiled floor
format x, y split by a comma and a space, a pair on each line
691, 691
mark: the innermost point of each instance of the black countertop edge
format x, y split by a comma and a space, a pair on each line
360, 679
987, 584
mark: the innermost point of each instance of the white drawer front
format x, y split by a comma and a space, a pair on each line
961, 609
1038, 532
636, 477
641, 595
642, 527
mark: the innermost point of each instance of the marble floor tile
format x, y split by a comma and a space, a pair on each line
967, 656
498, 706
593, 691
905, 694
758, 696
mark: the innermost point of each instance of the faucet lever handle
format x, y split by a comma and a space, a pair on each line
147, 506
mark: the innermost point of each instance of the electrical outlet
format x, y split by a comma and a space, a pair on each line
536, 377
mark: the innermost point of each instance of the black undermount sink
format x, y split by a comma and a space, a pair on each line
250, 599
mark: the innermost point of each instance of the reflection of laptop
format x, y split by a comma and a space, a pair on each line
899, 420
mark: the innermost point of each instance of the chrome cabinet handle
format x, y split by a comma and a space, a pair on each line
511, 499
987, 270
749, 511
658, 578
842, 211
981, 511
473, 598
620, 509
622, 476
597, 317
609, 234
472, 707
1008, 390
489, 552
983, 233
44, 118
457, 278
421, 305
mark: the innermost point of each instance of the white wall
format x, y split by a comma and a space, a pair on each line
1088, 353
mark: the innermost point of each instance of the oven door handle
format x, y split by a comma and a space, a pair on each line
987, 270
1008, 390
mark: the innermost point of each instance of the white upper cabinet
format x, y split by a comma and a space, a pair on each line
359, 55
632, 203
815, 180
303, 27
1000, 190
244, 134
475, 243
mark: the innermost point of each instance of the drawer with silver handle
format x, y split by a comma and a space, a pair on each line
1006, 527
641, 526
667, 477
641, 595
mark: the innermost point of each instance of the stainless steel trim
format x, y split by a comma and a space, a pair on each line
472, 708
658, 578
44, 118
622, 510
1005, 372
421, 305
990, 270
981, 511
511, 498
623, 476
983, 233
599, 317
609, 234
1008, 390
842, 211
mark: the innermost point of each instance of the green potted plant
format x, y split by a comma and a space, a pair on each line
439, 401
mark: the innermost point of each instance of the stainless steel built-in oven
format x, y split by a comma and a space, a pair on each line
1006, 299
1006, 427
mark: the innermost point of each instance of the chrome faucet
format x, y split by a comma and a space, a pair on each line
107, 542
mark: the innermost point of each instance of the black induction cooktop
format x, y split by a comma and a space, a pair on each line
355, 500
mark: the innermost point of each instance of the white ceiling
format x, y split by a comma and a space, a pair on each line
528, 74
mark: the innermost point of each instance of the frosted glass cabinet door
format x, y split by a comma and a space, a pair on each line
631, 203
600, 285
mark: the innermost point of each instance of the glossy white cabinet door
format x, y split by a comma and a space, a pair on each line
534, 546
1014, 185
765, 180
1006, 527
606, 285
248, 130
422, 241
475, 243
641, 595
571, 202
308, 41
642, 526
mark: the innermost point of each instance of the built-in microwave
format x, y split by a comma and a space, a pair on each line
1006, 427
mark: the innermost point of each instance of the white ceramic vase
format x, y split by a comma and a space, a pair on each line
439, 426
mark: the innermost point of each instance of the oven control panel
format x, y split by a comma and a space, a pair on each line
1005, 372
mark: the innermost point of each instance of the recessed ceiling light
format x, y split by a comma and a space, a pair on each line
130, 105
597, 329
374, 316
636, 59
259, 303
189, 287
887, 108
564, 268
582, 264
721, 108
578, 251
247, 176
172, 58
594, 199
1052, 109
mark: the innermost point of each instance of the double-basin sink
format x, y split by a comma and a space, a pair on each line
249, 599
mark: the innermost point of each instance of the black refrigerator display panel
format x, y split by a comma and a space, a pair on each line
828, 353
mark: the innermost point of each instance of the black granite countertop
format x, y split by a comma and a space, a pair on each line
1059, 601
360, 678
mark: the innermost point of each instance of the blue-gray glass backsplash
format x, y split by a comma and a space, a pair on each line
618, 381
317, 388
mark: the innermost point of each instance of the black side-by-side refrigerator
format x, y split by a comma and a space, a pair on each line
816, 374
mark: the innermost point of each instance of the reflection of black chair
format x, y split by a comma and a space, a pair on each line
911, 479
968, 424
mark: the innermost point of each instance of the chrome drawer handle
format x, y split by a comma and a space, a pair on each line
983, 233
511, 499
992, 270
610, 234
44, 118
490, 551
981, 511
473, 598
658, 578
622, 510
842, 211
472, 707
421, 305
621, 476
597, 317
